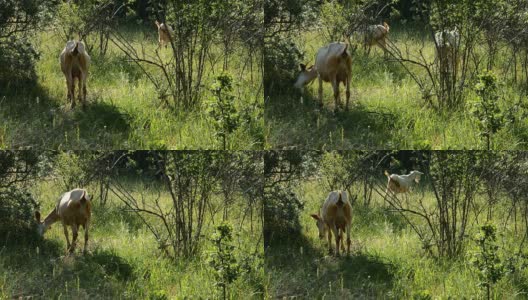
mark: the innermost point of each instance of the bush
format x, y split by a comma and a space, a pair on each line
17, 208
282, 64
282, 210
18, 19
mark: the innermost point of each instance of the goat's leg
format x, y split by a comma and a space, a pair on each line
329, 241
67, 237
86, 229
341, 239
82, 88
320, 90
347, 90
72, 92
75, 231
69, 80
335, 86
336, 234
348, 237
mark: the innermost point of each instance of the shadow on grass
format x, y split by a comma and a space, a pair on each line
308, 125
33, 118
39, 267
298, 269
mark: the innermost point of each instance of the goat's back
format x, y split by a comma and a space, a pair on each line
74, 207
334, 59
335, 211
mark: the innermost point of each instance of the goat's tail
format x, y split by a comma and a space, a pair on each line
83, 198
345, 53
386, 173
340, 200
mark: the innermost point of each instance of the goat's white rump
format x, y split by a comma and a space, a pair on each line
165, 34
74, 61
333, 63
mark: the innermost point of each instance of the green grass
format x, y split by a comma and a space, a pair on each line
123, 261
387, 110
386, 261
124, 111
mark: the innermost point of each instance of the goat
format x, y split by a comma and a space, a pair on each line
74, 61
447, 43
72, 209
376, 35
333, 63
401, 183
165, 34
336, 217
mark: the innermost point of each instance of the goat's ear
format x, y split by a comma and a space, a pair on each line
37, 216
303, 67
315, 216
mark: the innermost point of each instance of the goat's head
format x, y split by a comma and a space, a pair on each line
321, 226
387, 27
41, 227
306, 76
416, 175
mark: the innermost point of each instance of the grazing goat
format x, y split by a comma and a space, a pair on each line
401, 183
165, 34
336, 217
447, 42
376, 35
333, 63
74, 61
72, 209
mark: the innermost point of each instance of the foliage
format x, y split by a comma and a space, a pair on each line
222, 108
18, 170
282, 63
18, 54
487, 110
333, 20
222, 260
486, 260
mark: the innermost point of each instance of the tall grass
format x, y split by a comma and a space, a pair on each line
124, 111
388, 110
123, 261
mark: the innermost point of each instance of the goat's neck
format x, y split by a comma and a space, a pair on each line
51, 218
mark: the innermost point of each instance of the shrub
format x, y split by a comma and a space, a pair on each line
222, 260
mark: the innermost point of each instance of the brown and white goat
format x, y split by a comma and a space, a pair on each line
376, 35
165, 34
333, 63
72, 209
336, 217
398, 184
74, 61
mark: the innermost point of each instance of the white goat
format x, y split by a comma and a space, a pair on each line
401, 183
447, 43
72, 209
74, 61
333, 63
376, 35
165, 34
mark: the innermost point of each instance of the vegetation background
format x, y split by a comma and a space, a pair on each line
140, 96
460, 231
132, 254
404, 99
